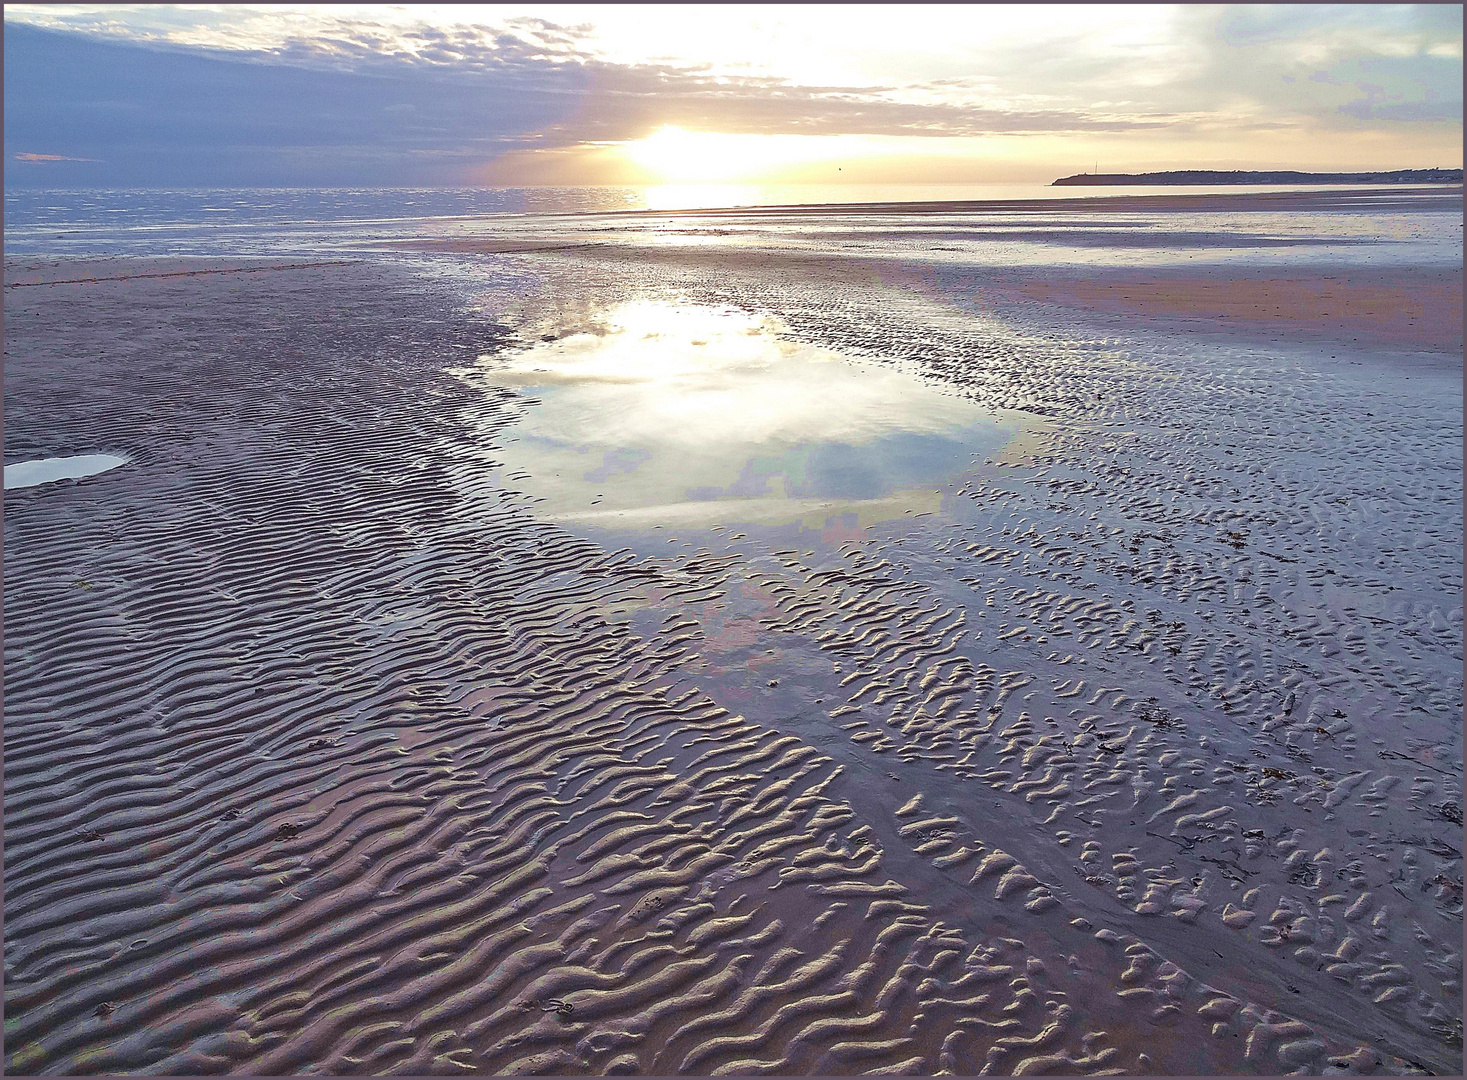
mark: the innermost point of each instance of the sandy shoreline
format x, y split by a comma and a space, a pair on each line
1385, 199
1142, 755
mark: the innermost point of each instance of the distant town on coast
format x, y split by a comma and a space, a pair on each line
1245, 176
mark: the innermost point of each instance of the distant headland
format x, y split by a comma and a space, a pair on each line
1239, 176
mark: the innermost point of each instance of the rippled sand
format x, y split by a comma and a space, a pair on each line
336, 741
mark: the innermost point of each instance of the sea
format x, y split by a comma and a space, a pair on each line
1415, 224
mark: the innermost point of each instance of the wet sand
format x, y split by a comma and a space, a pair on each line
1386, 199
1398, 309
328, 748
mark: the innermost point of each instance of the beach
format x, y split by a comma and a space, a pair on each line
1018, 639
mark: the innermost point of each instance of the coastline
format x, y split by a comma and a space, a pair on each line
1182, 177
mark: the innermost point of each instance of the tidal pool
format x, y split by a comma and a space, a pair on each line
44, 471
661, 413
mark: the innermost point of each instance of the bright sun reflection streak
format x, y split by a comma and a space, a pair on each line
693, 375
700, 196
655, 412
651, 342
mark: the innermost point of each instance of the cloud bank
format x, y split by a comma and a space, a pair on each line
239, 96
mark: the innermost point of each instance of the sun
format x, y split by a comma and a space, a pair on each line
677, 156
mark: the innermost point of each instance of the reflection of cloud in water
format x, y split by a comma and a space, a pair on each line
47, 470
619, 460
656, 405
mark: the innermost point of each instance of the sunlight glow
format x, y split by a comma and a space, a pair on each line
659, 411
676, 156
700, 196
787, 95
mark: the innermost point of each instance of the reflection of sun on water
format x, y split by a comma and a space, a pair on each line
700, 196
672, 346
658, 412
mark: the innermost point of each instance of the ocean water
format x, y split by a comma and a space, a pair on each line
1411, 225
202, 221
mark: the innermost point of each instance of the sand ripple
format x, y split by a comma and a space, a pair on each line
324, 755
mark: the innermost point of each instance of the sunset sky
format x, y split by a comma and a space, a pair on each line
305, 95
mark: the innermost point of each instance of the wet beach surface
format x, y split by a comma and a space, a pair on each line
1083, 696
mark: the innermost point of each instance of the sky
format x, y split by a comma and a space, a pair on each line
607, 95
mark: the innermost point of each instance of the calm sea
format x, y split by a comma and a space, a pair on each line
276, 221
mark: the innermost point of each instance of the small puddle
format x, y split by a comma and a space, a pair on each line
30, 473
661, 414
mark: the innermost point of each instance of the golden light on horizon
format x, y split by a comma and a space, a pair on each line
683, 166
696, 196
676, 156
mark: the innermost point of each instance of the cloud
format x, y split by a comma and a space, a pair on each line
262, 96
1335, 67
43, 158
165, 116
619, 101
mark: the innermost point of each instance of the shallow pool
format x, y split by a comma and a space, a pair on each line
44, 471
661, 413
